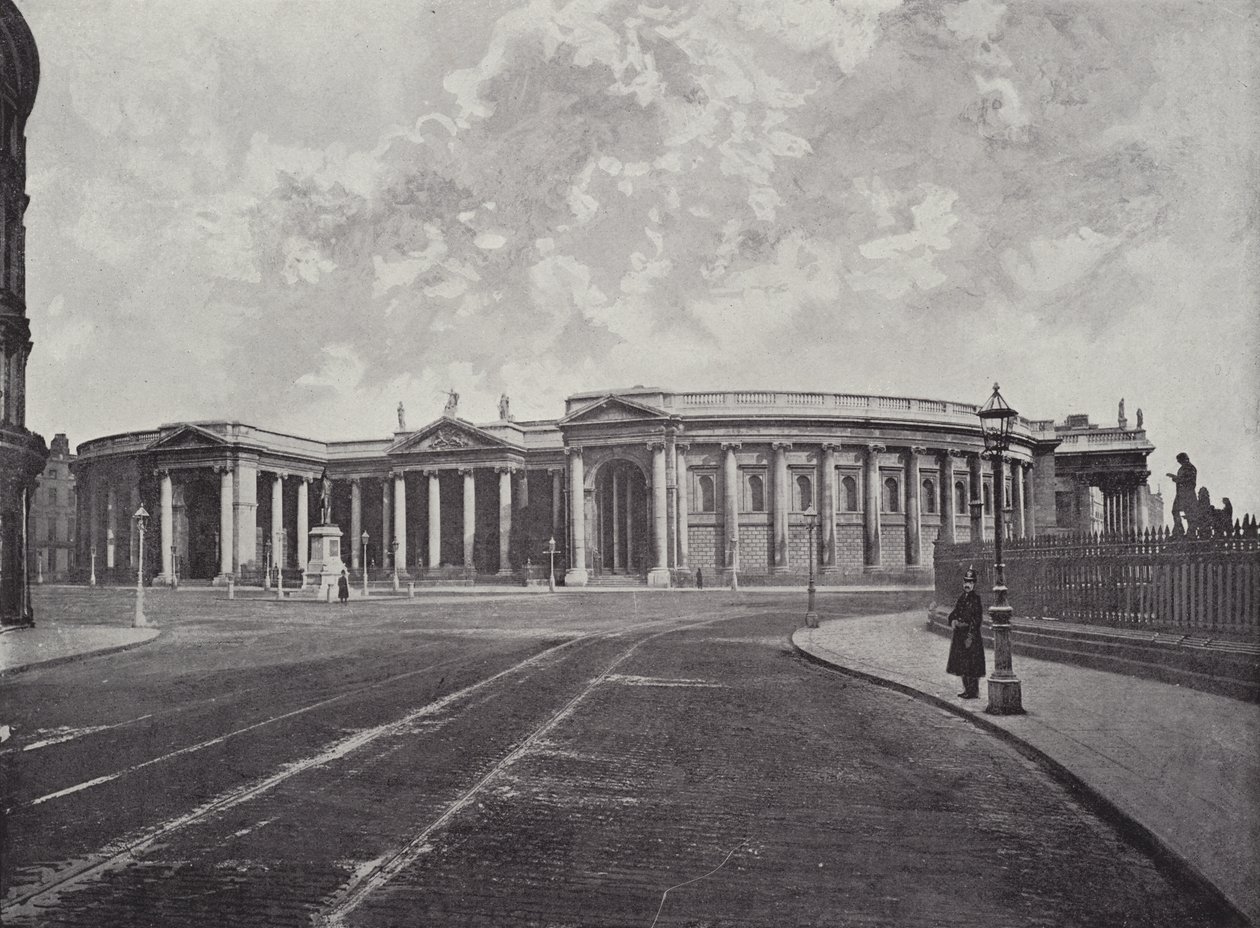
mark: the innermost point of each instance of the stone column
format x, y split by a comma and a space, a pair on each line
400, 520
616, 517
782, 503
1030, 501
470, 514
827, 508
730, 488
277, 521
870, 514
659, 574
386, 507
684, 505
945, 460
356, 523
94, 524
1017, 491
226, 511
435, 518
977, 497
557, 496
1142, 507
167, 498
628, 511
245, 532
303, 544
110, 514
505, 520
914, 517
576, 575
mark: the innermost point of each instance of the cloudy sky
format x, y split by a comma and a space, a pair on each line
298, 212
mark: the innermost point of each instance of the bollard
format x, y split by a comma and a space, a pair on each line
411, 589
231, 587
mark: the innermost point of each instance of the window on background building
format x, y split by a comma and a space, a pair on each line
960, 497
756, 494
988, 499
849, 494
804, 494
707, 496
892, 495
929, 497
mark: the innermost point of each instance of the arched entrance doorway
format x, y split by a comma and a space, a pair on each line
622, 536
196, 523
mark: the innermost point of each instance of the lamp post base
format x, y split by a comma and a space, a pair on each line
1005, 697
811, 620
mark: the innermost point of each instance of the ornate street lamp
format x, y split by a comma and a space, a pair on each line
393, 558
811, 614
174, 568
551, 552
92, 575
267, 564
1005, 698
141, 518
363, 539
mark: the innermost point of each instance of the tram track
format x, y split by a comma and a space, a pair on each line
365, 744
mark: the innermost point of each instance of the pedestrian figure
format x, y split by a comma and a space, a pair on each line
699, 579
343, 586
966, 649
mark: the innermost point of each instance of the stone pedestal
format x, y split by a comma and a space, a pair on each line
325, 564
576, 576
658, 577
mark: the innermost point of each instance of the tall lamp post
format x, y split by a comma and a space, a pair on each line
363, 539
551, 553
267, 564
811, 614
92, 575
1005, 697
141, 519
278, 548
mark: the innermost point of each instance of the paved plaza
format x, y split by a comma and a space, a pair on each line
524, 759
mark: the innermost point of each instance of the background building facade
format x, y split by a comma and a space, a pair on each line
639, 483
53, 515
22, 452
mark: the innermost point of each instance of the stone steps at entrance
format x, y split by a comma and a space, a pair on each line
616, 580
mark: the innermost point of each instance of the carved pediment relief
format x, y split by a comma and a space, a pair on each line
447, 435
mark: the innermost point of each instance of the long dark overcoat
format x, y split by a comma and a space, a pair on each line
343, 588
964, 660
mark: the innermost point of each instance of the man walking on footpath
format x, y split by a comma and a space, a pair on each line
966, 648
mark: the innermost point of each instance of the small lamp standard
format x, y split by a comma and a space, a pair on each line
278, 548
1005, 697
811, 614
141, 518
363, 539
551, 553
267, 564
92, 574
393, 558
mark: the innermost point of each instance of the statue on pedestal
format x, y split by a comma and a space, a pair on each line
1139, 417
325, 499
505, 412
452, 402
1185, 501
402, 417
1122, 421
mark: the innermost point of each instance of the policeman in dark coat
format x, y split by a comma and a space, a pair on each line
343, 586
966, 649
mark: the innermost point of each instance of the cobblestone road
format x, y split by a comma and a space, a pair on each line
536, 761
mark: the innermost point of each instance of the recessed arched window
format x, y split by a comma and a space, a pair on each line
960, 498
804, 494
707, 496
929, 496
849, 492
892, 495
988, 499
756, 494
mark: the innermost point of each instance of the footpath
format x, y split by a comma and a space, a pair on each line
1176, 768
44, 645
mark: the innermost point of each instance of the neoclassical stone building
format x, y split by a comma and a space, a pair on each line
22, 452
640, 482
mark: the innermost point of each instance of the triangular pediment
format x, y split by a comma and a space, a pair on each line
614, 409
447, 434
189, 436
